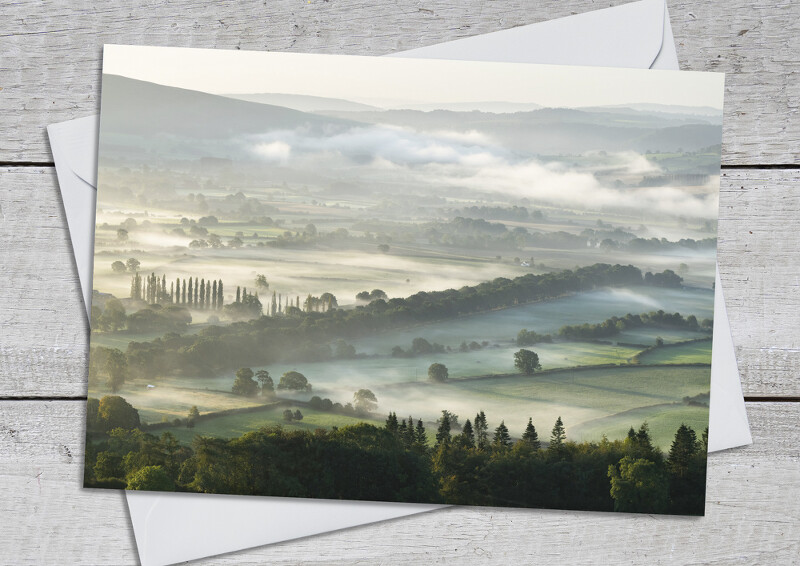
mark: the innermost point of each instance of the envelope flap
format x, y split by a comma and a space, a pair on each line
78, 150
630, 35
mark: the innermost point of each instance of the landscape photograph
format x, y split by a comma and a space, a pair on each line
396, 280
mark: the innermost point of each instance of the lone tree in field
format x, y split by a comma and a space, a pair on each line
244, 384
438, 372
118, 267
194, 412
365, 401
527, 361
294, 381
132, 264
117, 368
267, 385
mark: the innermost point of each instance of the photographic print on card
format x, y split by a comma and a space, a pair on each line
403, 280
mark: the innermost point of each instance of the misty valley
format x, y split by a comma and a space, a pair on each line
425, 291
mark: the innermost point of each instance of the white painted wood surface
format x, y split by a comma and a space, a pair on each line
50, 51
752, 512
49, 71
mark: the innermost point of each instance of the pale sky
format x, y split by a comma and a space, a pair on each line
397, 81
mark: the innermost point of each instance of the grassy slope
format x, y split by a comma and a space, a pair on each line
236, 425
663, 421
694, 353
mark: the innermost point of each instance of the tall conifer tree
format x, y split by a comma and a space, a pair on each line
530, 436
558, 436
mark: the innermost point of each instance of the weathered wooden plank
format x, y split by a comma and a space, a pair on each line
50, 51
751, 517
44, 333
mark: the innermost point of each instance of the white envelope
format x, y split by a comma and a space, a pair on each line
177, 527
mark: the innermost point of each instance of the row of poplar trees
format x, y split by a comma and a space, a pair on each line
202, 294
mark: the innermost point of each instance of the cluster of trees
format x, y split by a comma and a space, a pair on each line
479, 465
515, 213
131, 265
614, 325
369, 296
289, 415
527, 337
246, 306
472, 346
306, 335
474, 233
419, 347
112, 317
200, 295
249, 384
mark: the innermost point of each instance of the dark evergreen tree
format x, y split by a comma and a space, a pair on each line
238, 294
481, 431
214, 295
443, 432
202, 293
558, 436
686, 469
176, 298
196, 290
402, 429
410, 435
208, 295
421, 435
191, 293
391, 423
501, 437
172, 292
530, 436
164, 287
684, 446
183, 299
467, 435
219, 295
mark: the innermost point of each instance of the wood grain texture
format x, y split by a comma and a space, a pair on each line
50, 51
751, 515
43, 351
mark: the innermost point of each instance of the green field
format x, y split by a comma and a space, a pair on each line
578, 397
591, 402
692, 353
236, 425
663, 421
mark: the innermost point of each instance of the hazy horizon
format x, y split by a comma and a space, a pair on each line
400, 82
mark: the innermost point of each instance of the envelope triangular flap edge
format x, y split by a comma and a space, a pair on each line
631, 35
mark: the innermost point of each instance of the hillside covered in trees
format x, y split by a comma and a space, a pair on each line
470, 464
